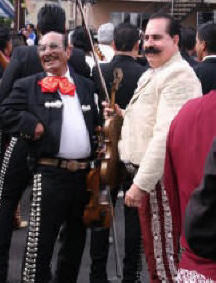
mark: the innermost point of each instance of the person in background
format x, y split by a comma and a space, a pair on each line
105, 40
187, 45
206, 53
78, 57
5, 48
188, 182
81, 41
31, 37
125, 44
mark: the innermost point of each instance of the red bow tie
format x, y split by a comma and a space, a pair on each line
53, 83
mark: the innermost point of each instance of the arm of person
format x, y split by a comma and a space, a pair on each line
15, 116
11, 73
174, 90
200, 215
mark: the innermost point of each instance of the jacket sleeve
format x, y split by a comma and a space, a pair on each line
174, 90
11, 74
200, 216
14, 113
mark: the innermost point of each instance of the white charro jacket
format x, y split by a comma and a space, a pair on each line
160, 94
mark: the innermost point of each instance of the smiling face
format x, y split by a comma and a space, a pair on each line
53, 54
159, 46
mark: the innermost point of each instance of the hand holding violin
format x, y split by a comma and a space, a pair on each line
108, 110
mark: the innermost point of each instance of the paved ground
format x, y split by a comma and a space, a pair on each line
18, 240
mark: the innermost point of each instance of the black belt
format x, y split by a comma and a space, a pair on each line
131, 168
70, 164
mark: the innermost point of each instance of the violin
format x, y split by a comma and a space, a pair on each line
109, 170
98, 211
94, 177
99, 53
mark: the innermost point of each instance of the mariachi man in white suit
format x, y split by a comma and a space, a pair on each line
56, 113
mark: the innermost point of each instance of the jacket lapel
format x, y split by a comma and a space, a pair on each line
79, 87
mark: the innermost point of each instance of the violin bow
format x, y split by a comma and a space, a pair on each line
93, 52
118, 264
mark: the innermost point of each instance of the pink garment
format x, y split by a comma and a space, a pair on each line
189, 141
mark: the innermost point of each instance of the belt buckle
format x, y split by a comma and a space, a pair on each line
72, 165
130, 168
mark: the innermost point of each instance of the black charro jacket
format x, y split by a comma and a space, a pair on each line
26, 106
206, 72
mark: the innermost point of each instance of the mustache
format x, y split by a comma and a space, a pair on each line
152, 50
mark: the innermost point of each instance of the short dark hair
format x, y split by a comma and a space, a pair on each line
51, 18
5, 36
31, 26
173, 28
125, 36
207, 33
80, 39
188, 38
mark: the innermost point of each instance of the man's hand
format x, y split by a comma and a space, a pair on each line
134, 196
39, 130
109, 111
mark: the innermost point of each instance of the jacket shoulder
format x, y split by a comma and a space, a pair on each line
30, 79
24, 51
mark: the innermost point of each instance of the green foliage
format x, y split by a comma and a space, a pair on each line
5, 22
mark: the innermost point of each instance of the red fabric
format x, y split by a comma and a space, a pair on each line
189, 141
53, 83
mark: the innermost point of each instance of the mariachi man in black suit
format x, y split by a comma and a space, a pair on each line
14, 172
206, 52
126, 44
14, 177
55, 112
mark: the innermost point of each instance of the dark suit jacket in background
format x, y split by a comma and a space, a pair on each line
25, 107
200, 216
24, 62
206, 72
189, 59
131, 73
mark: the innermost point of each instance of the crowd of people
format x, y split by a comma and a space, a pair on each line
52, 105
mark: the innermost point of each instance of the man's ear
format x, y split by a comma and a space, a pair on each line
136, 46
204, 45
176, 39
69, 51
113, 45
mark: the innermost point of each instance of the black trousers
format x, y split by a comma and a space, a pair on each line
99, 247
59, 197
13, 181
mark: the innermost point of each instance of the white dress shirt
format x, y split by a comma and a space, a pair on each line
74, 142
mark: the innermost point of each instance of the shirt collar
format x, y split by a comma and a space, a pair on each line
208, 57
66, 75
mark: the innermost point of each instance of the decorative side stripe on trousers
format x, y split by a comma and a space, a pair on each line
157, 240
191, 276
168, 234
29, 270
161, 222
5, 163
